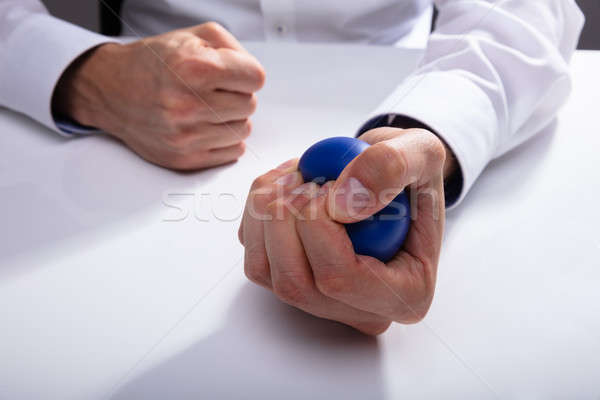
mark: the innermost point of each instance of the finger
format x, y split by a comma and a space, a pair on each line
415, 268
215, 107
226, 154
208, 136
361, 282
264, 190
287, 166
224, 69
228, 134
223, 106
198, 159
374, 178
241, 73
217, 36
291, 275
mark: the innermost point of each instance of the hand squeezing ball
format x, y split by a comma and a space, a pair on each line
380, 236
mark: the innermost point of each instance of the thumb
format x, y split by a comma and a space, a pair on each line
397, 159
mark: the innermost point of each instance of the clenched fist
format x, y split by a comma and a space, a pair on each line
297, 246
181, 100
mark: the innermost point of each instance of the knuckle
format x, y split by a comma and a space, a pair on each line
331, 285
259, 75
292, 289
262, 181
172, 44
245, 129
256, 265
259, 200
413, 316
167, 100
255, 272
240, 149
175, 104
252, 104
174, 114
277, 209
312, 214
213, 27
436, 151
390, 161
419, 306
200, 69
308, 215
210, 67
180, 61
176, 38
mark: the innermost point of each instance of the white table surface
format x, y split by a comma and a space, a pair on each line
103, 294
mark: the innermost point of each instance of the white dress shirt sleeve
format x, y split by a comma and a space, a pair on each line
35, 49
495, 73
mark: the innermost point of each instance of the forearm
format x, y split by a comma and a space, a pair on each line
494, 74
514, 51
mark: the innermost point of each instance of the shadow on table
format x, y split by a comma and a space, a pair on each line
77, 189
267, 350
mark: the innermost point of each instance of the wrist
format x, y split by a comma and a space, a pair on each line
79, 92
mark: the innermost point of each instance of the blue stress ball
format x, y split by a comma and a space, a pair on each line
382, 235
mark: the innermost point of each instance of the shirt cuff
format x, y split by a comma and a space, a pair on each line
38, 51
457, 110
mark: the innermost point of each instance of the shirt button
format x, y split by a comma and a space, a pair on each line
281, 29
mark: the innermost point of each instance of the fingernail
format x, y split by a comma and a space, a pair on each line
287, 179
287, 165
352, 197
